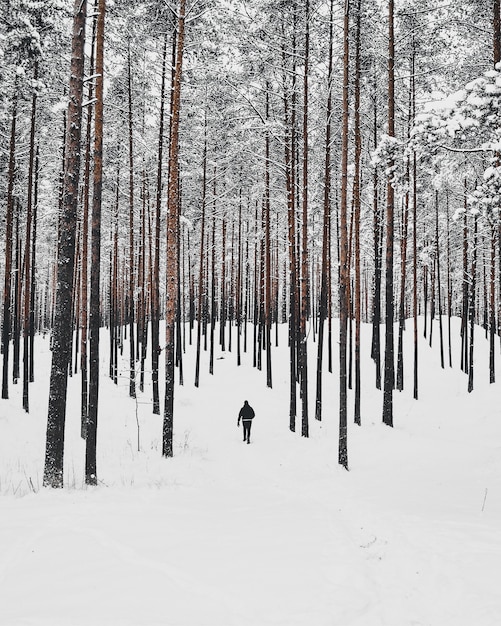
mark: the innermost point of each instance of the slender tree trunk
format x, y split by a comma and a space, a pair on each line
267, 250
325, 265
439, 283
201, 280
414, 273
33, 271
132, 348
303, 346
403, 281
54, 453
343, 259
173, 202
155, 291
91, 429
16, 327
473, 292
492, 307
85, 242
466, 289
449, 280
378, 254
389, 367
356, 217
289, 146
27, 248
6, 326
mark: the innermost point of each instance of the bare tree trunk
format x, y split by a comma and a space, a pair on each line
303, 346
173, 202
91, 429
439, 283
7, 319
33, 272
132, 348
155, 288
466, 288
472, 294
54, 452
343, 258
389, 366
414, 274
378, 255
492, 306
356, 217
267, 251
85, 240
201, 279
325, 266
27, 249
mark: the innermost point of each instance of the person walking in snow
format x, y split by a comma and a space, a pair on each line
246, 415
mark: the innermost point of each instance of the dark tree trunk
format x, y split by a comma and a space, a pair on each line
91, 429
343, 259
7, 321
356, 217
54, 452
267, 250
173, 202
201, 279
389, 367
28, 249
132, 345
155, 288
472, 308
439, 283
85, 242
325, 265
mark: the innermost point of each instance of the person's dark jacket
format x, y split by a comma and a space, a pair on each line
246, 412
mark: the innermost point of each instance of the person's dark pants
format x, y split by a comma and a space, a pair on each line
247, 428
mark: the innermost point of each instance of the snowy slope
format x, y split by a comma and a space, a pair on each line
272, 533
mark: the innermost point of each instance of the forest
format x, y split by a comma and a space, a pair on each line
206, 173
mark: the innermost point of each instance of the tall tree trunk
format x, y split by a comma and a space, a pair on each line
289, 147
16, 326
466, 288
472, 308
343, 258
378, 255
439, 283
155, 288
389, 366
325, 265
172, 238
7, 293
54, 452
303, 346
91, 430
28, 248
84, 408
201, 278
132, 346
356, 217
33, 270
267, 248
414, 274
492, 306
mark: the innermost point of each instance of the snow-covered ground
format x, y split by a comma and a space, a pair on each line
272, 533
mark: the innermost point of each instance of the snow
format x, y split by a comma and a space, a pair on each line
268, 534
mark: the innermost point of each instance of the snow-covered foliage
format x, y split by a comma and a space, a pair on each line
468, 122
390, 155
